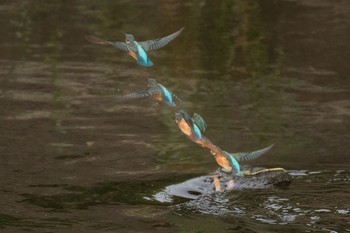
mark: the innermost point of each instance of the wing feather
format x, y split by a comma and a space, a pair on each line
246, 156
120, 45
199, 122
159, 42
175, 96
135, 95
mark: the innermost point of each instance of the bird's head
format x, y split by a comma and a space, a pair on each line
183, 115
151, 82
129, 38
178, 116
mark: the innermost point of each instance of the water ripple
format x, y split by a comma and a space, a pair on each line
298, 204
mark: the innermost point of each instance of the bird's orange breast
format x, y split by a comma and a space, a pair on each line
158, 96
222, 161
185, 128
132, 54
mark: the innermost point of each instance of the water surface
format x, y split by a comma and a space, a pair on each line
73, 159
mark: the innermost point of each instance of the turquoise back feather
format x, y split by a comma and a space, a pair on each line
168, 95
197, 131
235, 165
236, 168
142, 58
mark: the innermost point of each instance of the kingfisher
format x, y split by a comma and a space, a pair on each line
229, 161
157, 91
230, 166
193, 127
137, 50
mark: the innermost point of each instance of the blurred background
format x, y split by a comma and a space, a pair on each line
258, 72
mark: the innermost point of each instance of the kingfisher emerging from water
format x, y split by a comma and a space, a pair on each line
137, 50
155, 90
230, 166
194, 127
229, 161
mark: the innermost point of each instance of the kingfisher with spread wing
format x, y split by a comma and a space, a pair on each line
137, 50
229, 161
230, 166
194, 127
156, 91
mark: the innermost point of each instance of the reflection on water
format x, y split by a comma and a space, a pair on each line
312, 209
259, 72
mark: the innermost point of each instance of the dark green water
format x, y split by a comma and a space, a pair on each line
73, 159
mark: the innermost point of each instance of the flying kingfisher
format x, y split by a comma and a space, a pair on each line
155, 90
137, 50
191, 126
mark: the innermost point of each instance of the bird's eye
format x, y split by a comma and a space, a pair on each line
127, 41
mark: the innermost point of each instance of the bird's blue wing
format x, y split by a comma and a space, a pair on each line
198, 120
159, 42
121, 45
245, 156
